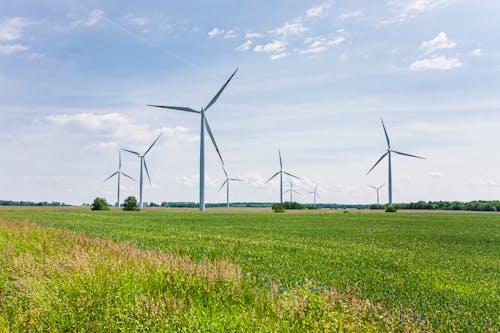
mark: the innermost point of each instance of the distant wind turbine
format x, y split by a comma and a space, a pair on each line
315, 194
226, 182
281, 172
377, 189
204, 123
291, 190
143, 163
119, 172
388, 154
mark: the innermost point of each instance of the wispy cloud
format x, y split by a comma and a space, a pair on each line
476, 53
274, 46
318, 11
441, 41
93, 19
229, 34
215, 32
251, 35
435, 63
408, 9
12, 28
349, 15
320, 44
245, 46
287, 29
137, 20
8, 49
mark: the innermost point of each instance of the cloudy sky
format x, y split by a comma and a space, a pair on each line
314, 79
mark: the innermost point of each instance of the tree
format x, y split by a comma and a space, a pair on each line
390, 209
100, 204
278, 208
130, 204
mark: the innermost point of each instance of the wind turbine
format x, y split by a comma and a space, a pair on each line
119, 172
226, 182
315, 194
143, 163
281, 172
377, 189
204, 123
291, 190
388, 154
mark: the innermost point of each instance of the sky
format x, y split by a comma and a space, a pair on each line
314, 80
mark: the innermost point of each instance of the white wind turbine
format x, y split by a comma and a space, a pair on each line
377, 189
204, 123
291, 190
388, 154
281, 172
226, 182
119, 172
143, 163
315, 194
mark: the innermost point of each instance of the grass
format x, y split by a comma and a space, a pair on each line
388, 272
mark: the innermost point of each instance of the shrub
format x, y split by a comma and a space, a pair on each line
100, 204
130, 204
390, 209
278, 208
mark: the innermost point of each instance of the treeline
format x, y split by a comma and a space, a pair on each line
286, 204
30, 203
480, 205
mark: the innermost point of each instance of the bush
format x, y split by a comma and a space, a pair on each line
278, 208
100, 204
130, 204
293, 205
390, 209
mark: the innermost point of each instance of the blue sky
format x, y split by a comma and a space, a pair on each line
314, 79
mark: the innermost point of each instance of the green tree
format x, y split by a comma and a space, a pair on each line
278, 208
130, 203
100, 204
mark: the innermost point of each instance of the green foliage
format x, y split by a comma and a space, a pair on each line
390, 209
293, 205
100, 204
130, 204
484, 206
443, 267
278, 208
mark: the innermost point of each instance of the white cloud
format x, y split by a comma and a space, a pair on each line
103, 146
435, 63
440, 42
245, 46
287, 29
408, 9
215, 32
276, 46
33, 56
320, 44
12, 48
137, 20
476, 53
346, 16
435, 174
93, 19
230, 34
279, 56
250, 35
12, 28
318, 11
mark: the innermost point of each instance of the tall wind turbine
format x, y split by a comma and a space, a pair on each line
291, 190
377, 189
226, 182
388, 154
119, 172
204, 123
143, 163
281, 172
315, 194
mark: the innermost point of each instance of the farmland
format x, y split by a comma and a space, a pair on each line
250, 270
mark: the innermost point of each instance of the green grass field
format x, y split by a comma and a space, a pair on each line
309, 271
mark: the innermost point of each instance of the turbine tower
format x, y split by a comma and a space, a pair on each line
143, 163
226, 182
281, 172
388, 154
291, 190
203, 124
315, 194
119, 172
377, 189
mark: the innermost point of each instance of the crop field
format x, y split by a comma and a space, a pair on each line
248, 270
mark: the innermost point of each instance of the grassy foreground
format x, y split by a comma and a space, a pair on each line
302, 272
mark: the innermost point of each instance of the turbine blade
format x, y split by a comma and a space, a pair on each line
225, 172
213, 140
214, 99
316, 188
385, 131
380, 186
132, 152
317, 195
277, 173
380, 159
405, 154
123, 173
119, 159
286, 191
179, 108
110, 176
373, 187
147, 151
223, 185
291, 175
237, 179
147, 171
281, 162
296, 192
